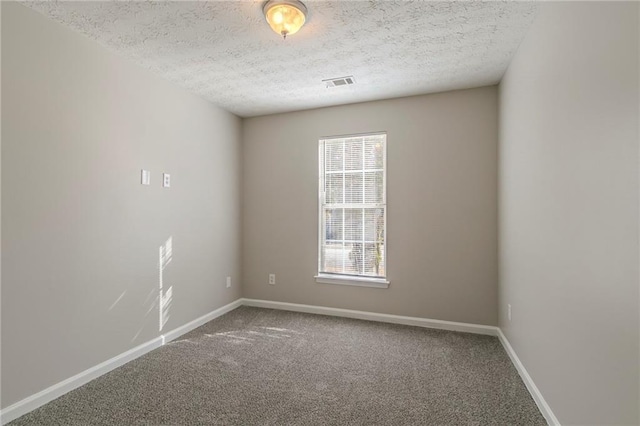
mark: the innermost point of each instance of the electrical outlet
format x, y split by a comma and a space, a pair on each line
228, 282
166, 180
509, 311
272, 279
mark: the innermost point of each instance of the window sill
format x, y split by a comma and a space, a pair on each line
351, 280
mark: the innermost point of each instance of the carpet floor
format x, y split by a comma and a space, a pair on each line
257, 366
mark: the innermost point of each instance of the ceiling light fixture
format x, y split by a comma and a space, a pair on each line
285, 16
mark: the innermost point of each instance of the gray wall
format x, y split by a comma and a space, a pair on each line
79, 231
569, 209
442, 205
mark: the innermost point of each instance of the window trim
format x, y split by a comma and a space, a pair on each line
355, 280
346, 279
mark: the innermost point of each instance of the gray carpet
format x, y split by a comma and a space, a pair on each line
265, 367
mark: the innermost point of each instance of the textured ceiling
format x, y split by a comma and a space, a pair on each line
226, 52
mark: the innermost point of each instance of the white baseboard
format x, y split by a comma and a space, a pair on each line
372, 316
177, 332
32, 402
544, 408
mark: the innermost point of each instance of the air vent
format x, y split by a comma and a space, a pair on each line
340, 81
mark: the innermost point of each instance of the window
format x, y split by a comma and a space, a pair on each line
353, 210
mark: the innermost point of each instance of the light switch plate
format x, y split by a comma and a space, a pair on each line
166, 180
145, 177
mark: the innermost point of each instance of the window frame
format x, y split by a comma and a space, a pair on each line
349, 279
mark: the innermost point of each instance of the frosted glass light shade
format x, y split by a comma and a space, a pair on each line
285, 16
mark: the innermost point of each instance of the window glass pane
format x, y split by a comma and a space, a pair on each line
335, 255
353, 154
374, 225
333, 227
373, 259
353, 188
353, 225
333, 155
373, 153
354, 265
374, 187
334, 188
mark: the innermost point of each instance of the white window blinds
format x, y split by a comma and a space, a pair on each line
353, 205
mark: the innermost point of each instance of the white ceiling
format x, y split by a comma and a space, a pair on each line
225, 52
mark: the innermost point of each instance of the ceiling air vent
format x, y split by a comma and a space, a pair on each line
340, 81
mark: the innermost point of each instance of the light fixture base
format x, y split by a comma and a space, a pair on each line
285, 16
